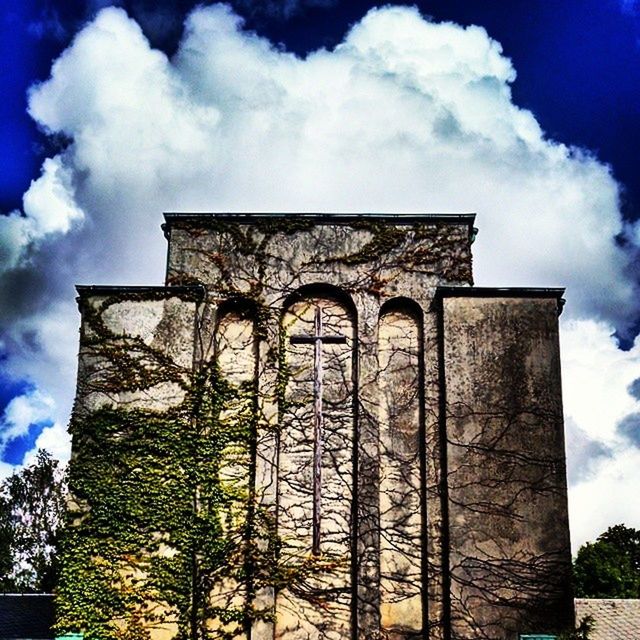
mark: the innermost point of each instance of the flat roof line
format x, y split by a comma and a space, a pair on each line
321, 217
555, 293
499, 292
187, 291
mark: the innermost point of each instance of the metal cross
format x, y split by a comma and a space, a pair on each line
317, 340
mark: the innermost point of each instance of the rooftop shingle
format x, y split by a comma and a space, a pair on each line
26, 616
614, 619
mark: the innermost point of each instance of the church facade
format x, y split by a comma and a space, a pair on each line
318, 429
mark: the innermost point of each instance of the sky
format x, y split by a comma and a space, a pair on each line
523, 112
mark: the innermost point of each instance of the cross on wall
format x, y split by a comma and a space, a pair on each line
318, 339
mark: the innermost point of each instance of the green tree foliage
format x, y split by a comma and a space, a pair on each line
609, 567
582, 631
32, 505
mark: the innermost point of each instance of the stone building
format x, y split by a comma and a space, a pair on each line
318, 429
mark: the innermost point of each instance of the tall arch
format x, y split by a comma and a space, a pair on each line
316, 470
402, 486
233, 380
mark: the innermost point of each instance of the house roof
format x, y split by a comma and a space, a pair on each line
614, 619
26, 616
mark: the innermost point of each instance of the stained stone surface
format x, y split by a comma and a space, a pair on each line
143, 325
509, 558
406, 461
401, 472
236, 359
146, 337
362, 263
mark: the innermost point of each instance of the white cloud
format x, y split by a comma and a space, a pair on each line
604, 466
49, 208
596, 376
23, 411
29, 408
404, 115
53, 439
608, 498
585, 454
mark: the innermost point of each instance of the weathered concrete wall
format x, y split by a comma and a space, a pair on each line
315, 503
271, 258
427, 501
271, 263
402, 505
136, 358
508, 534
136, 348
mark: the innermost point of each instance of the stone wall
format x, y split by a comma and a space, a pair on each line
383, 274
361, 452
127, 487
508, 536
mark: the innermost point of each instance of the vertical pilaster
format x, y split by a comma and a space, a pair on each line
367, 532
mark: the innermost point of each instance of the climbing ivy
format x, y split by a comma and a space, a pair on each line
164, 518
156, 524
164, 521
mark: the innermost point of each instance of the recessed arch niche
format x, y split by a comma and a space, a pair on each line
233, 378
316, 463
401, 423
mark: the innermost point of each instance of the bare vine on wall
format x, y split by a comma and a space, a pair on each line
156, 523
293, 471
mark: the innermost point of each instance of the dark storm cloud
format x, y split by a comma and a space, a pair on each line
29, 289
629, 428
634, 389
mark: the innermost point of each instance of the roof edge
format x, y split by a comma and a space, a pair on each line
555, 293
186, 292
319, 217
499, 292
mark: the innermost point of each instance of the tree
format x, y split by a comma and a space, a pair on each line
32, 506
609, 567
581, 632
627, 540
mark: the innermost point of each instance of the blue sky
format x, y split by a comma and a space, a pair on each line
577, 63
526, 112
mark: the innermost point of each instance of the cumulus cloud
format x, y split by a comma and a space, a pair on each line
597, 376
22, 412
49, 208
404, 115
54, 439
586, 453
634, 389
629, 427
601, 411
